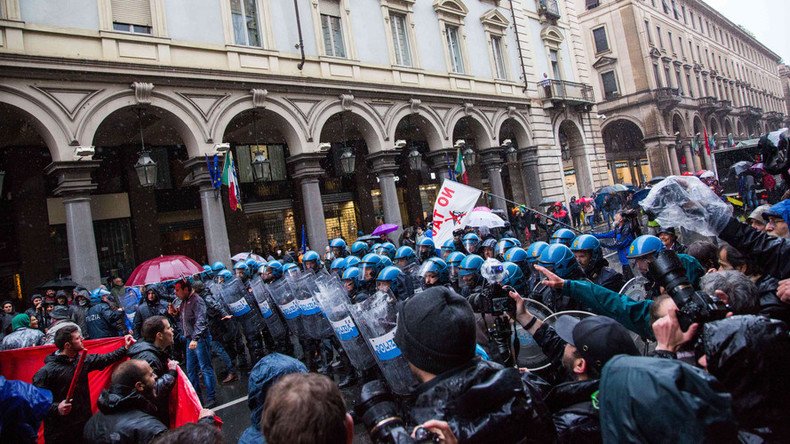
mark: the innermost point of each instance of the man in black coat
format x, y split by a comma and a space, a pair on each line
157, 338
153, 305
67, 417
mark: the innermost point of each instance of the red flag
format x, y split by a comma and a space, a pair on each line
184, 402
707, 143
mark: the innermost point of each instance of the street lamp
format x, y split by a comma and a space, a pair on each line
261, 168
146, 169
415, 160
348, 161
470, 157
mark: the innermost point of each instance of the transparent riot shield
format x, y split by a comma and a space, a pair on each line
635, 288
376, 317
270, 317
287, 304
214, 287
334, 302
232, 294
530, 355
131, 298
313, 321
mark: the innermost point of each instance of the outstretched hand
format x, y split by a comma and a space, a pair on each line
552, 280
668, 334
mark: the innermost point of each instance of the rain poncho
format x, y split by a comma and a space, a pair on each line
22, 336
22, 407
770, 253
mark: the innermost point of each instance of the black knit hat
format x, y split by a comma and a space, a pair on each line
436, 330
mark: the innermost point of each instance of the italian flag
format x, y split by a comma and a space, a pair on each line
230, 179
460, 169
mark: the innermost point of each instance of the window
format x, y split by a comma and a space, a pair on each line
675, 10
132, 16
601, 43
683, 13
246, 26
499, 61
693, 23
647, 31
610, 90
400, 40
671, 43
680, 45
680, 82
454, 46
665, 4
657, 75
667, 77
555, 64
590, 4
275, 153
658, 37
332, 29
688, 84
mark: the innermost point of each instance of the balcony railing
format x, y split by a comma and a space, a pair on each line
667, 97
724, 107
549, 9
571, 93
773, 116
752, 112
707, 104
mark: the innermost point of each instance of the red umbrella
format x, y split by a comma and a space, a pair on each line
163, 268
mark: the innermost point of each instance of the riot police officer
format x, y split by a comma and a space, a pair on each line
471, 281
589, 254
426, 249
338, 247
453, 262
559, 259
434, 272
563, 236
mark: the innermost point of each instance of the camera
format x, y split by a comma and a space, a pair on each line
493, 299
379, 413
693, 306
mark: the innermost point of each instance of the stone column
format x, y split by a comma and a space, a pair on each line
696, 159
307, 170
673, 159
384, 165
689, 157
613, 170
441, 161
529, 172
492, 162
707, 157
75, 186
214, 227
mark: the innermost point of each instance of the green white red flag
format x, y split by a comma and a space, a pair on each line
231, 180
460, 169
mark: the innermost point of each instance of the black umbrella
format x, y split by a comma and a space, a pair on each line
368, 237
655, 180
61, 283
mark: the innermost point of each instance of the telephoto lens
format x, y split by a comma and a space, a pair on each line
379, 414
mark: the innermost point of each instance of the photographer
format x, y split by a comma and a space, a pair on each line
581, 349
480, 400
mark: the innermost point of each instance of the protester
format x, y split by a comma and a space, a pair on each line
191, 433
756, 219
624, 232
67, 417
79, 310
117, 292
670, 240
153, 348
23, 333
61, 317
151, 305
37, 310
6, 316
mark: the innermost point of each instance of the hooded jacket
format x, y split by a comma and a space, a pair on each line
623, 236
165, 379
485, 402
56, 376
767, 251
750, 355
78, 312
123, 418
575, 418
101, 320
263, 376
22, 335
770, 305
648, 400
147, 309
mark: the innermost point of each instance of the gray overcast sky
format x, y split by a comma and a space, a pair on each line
768, 20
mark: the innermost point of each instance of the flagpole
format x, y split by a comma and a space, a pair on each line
534, 211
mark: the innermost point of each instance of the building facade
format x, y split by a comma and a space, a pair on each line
669, 71
357, 109
784, 74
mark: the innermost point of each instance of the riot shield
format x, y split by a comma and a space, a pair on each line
215, 288
635, 289
313, 320
286, 303
270, 317
334, 302
232, 294
530, 355
376, 317
129, 301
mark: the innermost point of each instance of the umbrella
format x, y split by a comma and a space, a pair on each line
384, 229
163, 268
482, 209
247, 255
616, 188
367, 238
655, 180
641, 194
484, 219
759, 167
583, 200
61, 283
740, 167
705, 174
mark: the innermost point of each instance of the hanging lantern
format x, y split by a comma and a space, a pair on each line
146, 169
415, 160
470, 157
512, 155
261, 168
348, 161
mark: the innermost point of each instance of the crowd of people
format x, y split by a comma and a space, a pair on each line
696, 354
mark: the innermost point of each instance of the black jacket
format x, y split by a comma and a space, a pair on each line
56, 376
574, 416
123, 419
769, 252
553, 347
165, 379
770, 304
147, 309
102, 321
601, 274
485, 403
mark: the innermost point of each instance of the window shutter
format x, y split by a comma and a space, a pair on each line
133, 12
330, 7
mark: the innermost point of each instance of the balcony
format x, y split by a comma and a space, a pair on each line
708, 104
567, 93
723, 107
667, 98
549, 9
749, 112
773, 116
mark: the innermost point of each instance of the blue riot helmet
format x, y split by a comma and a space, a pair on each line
338, 265
426, 248
505, 244
351, 278
388, 280
352, 261
447, 247
471, 242
375, 248
385, 262
290, 269
563, 236
275, 268
534, 251
359, 249
218, 266
207, 271
587, 249
241, 270
642, 252
370, 266
470, 265
405, 256
453, 262
387, 249
225, 275
517, 255
433, 272
516, 241
514, 276
338, 247
311, 261
559, 259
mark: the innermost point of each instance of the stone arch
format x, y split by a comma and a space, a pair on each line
727, 127
739, 128
713, 126
286, 119
482, 127
427, 119
569, 133
517, 123
698, 126
193, 134
50, 126
616, 118
679, 125
367, 122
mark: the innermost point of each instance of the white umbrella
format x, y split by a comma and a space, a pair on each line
247, 255
484, 219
